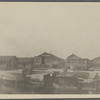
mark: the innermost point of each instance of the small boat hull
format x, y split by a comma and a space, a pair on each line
63, 87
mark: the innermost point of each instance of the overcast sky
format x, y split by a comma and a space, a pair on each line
29, 29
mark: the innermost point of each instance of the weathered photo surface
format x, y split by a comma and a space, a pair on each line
49, 48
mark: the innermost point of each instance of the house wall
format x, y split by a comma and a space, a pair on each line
24, 61
14, 63
78, 63
50, 61
37, 62
96, 63
3, 66
20, 66
8, 64
27, 69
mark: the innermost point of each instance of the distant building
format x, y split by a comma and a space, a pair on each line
26, 64
96, 63
48, 60
8, 62
22, 61
74, 62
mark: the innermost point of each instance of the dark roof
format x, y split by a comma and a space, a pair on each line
6, 58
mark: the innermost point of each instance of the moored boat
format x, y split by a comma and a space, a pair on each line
64, 87
36, 80
12, 80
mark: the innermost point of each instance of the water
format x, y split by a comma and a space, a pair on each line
34, 89
14, 88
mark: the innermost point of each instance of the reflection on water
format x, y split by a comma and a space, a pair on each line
35, 90
33, 84
24, 87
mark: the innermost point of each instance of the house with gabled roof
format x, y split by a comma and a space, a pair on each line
96, 63
48, 60
75, 62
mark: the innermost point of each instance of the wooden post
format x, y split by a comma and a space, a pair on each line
96, 84
1, 82
16, 84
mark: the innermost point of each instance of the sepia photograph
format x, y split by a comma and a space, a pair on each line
49, 48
